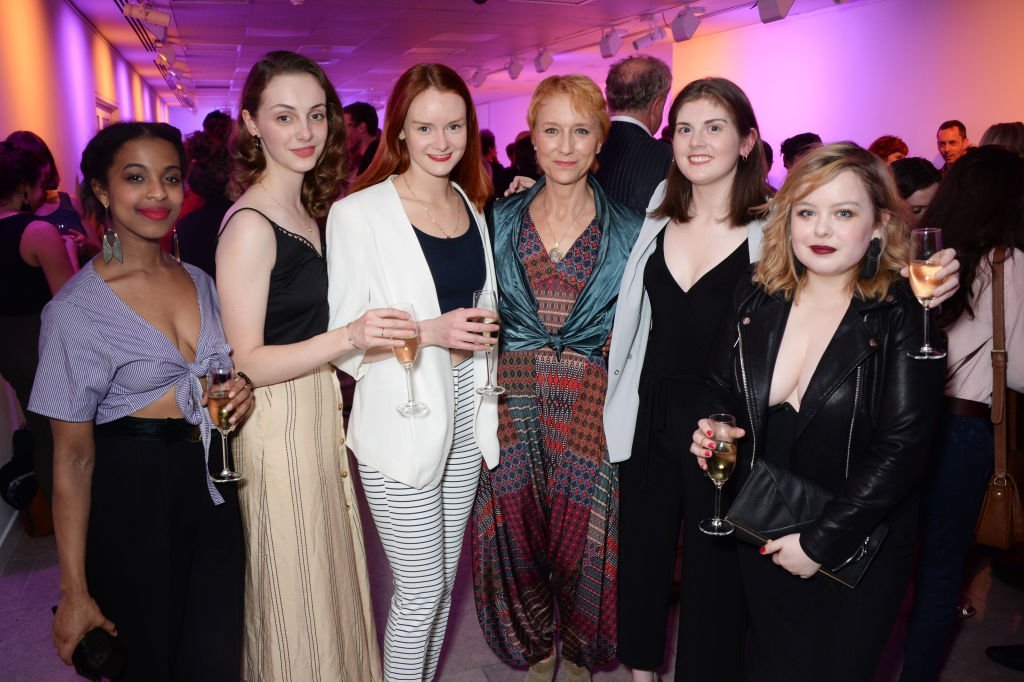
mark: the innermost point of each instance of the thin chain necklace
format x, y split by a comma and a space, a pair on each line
554, 253
309, 228
458, 213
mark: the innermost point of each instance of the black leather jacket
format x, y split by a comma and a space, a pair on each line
866, 418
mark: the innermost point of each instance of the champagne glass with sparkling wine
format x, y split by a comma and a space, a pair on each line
925, 243
486, 299
720, 465
406, 356
218, 388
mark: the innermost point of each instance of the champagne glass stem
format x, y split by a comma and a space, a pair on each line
490, 369
226, 472
718, 503
927, 345
408, 382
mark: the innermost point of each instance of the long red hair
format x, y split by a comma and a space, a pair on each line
392, 155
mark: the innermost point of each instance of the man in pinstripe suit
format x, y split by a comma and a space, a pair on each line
632, 162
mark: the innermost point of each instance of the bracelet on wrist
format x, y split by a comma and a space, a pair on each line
348, 333
244, 377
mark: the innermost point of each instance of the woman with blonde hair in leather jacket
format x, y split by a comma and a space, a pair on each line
815, 367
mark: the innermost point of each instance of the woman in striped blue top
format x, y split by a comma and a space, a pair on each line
150, 549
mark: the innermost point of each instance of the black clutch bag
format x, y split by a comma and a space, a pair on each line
775, 502
98, 655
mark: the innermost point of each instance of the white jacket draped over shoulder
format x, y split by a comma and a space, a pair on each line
632, 327
374, 259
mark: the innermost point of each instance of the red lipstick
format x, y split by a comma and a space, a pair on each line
821, 249
156, 214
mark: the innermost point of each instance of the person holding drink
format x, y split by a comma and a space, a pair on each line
308, 609
979, 207
150, 548
412, 233
817, 366
545, 521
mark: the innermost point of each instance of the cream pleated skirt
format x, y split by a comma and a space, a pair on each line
308, 614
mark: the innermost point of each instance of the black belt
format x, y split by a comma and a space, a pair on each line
968, 408
166, 430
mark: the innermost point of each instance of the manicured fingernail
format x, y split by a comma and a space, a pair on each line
762, 550
707, 453
710, 434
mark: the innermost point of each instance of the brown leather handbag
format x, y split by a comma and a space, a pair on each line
1001, 521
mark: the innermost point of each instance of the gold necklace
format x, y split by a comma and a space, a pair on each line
555, 253
458, 213
309, 229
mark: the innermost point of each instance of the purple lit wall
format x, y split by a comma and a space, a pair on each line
54, 70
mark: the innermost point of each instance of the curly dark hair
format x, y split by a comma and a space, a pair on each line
17, 166
322, 185
209, 168
99, 154
979, 206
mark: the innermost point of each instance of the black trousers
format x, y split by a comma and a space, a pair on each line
661, 486
162, 561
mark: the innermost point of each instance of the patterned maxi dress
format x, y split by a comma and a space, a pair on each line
546, 518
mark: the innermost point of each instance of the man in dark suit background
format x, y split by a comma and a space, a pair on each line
631, 162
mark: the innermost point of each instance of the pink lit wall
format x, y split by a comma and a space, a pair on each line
53, 69
870, 67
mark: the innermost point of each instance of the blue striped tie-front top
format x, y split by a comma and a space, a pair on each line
99, 360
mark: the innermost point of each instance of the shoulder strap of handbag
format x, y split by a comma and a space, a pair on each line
998, 363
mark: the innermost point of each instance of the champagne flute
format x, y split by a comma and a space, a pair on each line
485, 298
720, 466
406, 356
218, 387
925, 243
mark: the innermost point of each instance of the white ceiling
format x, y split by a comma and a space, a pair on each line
365, 44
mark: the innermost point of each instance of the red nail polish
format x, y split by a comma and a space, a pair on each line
707, 453
710, 434
762, 550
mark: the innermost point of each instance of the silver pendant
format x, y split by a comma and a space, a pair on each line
556, 254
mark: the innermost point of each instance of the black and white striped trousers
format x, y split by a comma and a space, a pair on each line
422, 532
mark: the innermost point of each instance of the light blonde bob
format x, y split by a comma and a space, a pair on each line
778, 270
584, 95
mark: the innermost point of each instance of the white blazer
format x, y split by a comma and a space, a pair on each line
374, 259
633, 326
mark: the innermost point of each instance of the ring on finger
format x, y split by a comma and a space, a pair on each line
381, 332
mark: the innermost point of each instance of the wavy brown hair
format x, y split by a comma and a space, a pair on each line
777, 269
393, 156
749, 188
322, 185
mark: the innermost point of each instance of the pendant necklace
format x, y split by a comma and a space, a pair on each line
554, 253
309, 230
458, 214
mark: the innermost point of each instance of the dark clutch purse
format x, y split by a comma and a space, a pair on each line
98, 655
775, 502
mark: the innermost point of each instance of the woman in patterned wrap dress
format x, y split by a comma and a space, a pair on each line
545, 534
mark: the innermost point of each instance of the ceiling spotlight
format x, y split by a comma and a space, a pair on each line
773, 10
165, 55
478, 78
543, 61
514, 68
147, 14
611, 42
685, 24
653, 35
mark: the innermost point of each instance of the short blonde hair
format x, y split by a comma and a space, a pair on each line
777, 270
585, 96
